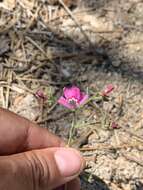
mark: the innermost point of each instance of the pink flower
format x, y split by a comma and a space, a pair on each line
108, 89
40, 94
72, 97
114, 125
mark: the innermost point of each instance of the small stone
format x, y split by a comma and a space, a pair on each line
107, 106
26, 106
116, 63
66, 73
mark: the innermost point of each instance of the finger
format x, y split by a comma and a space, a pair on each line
44, 169
18, 134
72, 185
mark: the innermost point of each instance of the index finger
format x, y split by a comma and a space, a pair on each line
18, 134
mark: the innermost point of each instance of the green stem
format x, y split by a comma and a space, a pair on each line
96, 97
72, 129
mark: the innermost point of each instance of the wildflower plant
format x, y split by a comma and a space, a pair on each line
74, 99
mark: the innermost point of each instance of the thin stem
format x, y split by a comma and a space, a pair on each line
72, 129
70, 134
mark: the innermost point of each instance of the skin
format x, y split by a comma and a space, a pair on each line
27, 157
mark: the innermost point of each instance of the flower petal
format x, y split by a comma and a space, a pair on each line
115, 125
72, 92
40, 94
64, 102
108, 89
84, 98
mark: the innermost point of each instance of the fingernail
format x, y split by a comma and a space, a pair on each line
63, 144
69, 162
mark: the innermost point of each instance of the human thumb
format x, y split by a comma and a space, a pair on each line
43, 169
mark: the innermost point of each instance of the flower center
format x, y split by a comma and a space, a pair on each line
73, 101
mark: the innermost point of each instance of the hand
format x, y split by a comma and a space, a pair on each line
31, 158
